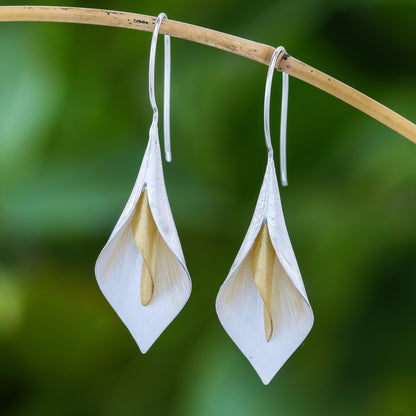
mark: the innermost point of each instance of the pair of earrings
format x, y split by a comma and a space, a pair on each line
141, 271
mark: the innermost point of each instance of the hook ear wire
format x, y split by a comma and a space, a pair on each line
283, 128
166, 101
283, 116
166, 95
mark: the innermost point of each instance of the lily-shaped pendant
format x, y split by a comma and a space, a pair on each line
141, 270
263, 304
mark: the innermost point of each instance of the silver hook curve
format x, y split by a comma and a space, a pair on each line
166, 95
283, 116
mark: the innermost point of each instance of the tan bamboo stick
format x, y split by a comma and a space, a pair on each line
243, 47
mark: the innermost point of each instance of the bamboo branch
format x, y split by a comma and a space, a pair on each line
243, 47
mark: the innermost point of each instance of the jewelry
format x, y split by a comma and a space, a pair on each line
262, 304
141, 270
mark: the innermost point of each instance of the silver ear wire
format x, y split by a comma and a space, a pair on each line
166, 95
283, 117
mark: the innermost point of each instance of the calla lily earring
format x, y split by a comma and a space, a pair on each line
141, 270
263, 304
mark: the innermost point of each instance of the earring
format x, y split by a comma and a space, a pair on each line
262, 304
141, 270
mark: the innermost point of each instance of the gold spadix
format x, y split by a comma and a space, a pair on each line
262, 261
146, 237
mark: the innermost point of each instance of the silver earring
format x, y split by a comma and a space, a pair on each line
262, 304
141, 270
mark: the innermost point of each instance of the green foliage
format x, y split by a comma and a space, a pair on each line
74, 119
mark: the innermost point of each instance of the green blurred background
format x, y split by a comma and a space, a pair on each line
74, 120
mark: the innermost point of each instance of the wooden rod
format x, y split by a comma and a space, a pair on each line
256, 51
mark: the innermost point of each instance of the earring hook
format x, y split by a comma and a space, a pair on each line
166, 95
283, 116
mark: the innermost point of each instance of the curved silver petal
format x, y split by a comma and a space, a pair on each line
266, 320
120, 264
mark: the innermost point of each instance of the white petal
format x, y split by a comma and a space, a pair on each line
119, 265
239, 304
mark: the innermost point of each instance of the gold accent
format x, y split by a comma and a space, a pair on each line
262, 260
146, 237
